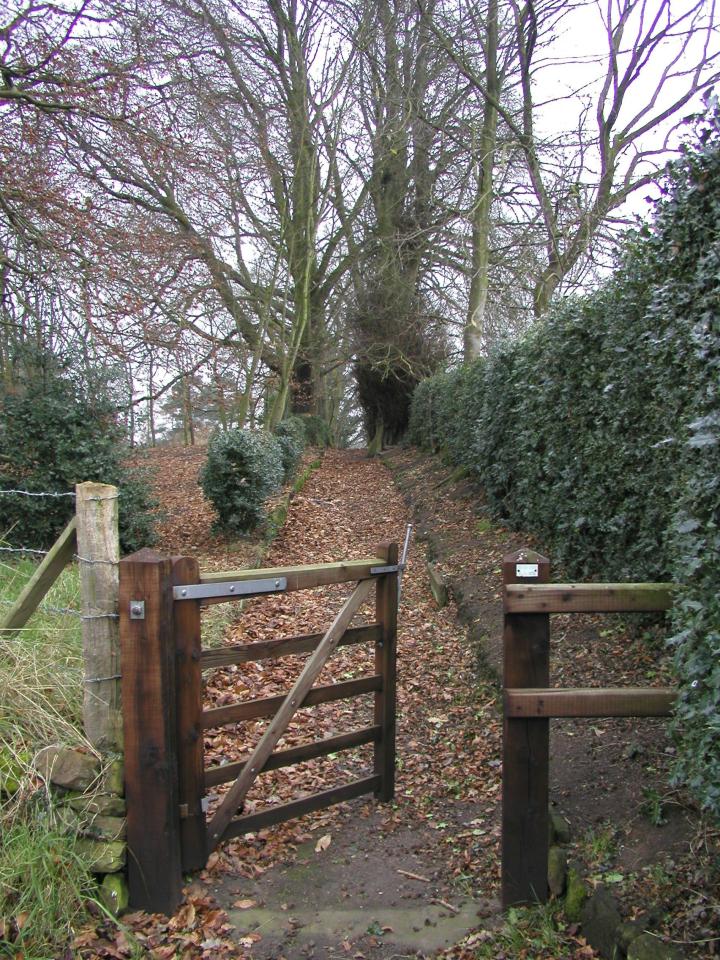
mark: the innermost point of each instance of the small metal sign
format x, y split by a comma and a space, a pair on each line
526, 570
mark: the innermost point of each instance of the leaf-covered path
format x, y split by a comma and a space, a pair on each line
372, 880
363, 878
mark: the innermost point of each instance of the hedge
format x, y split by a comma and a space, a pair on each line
56, 431
599, 431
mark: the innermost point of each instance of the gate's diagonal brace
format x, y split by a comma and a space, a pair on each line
269, 740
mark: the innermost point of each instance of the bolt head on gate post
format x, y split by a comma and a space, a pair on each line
526, 663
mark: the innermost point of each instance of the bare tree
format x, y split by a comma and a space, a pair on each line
656, 61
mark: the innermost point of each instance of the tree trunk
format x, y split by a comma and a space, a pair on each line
187, 414
376, 444
474, 335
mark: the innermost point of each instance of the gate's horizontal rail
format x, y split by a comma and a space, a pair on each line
267, 649
308, 751
297, 808
299, 578
588, 597
529, 703
252, 709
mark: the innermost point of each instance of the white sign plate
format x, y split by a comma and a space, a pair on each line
526, 570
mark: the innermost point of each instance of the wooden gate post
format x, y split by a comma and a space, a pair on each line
385, 665
148, 698
526, 663
191, 762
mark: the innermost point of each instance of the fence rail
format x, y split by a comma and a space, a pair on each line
530, 702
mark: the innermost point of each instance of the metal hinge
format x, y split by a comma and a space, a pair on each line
185, 808
229, 588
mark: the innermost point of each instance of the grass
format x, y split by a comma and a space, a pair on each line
44, 884
599, 845
530, 932
303, 478
44, 888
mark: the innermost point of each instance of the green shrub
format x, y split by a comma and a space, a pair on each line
53, 434
599, 431
426, 428
317, 431
243, 468
445, 411
290, 434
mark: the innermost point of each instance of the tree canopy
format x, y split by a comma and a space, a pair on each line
308, 206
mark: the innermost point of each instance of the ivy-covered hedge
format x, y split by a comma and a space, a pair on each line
244, 468
600, 432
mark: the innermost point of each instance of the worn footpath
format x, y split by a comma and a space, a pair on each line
416, 876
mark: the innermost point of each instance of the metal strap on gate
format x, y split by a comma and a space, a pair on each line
397, 567
229, 588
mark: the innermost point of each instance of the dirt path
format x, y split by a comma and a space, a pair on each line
368, 880
363, 879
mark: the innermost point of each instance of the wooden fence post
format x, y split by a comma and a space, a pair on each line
385, 664
525, 744
148, 694
98, 551
191, 763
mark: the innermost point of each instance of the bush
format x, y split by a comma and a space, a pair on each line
290, 434
243, 468
591, 429
53, 434
317, 430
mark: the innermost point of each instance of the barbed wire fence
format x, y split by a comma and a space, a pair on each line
37, 552
91, 539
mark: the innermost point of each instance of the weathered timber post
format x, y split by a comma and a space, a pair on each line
191, 763
149, 712
386, 606
526, 639
98, 551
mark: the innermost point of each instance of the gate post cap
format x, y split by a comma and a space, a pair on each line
525, 555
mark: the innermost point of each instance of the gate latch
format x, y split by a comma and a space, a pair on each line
137, 609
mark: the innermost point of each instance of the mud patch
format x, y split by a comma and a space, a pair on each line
374, 892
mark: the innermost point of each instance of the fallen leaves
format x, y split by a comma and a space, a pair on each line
323, 843
199, 930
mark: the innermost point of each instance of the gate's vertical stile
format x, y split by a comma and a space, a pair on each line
526, 640
191, 775
385, 665
148, 697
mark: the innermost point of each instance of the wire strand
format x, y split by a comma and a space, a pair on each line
29, 493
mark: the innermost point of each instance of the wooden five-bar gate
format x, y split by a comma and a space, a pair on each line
166, 781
